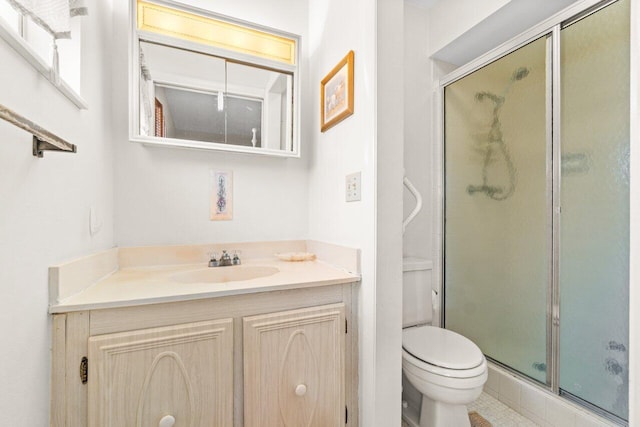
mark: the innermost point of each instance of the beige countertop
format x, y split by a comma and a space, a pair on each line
131, 286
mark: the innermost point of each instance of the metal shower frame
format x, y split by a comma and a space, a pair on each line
549, 28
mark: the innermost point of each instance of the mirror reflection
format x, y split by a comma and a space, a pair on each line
192, 96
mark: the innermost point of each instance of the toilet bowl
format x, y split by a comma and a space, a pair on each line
448, 369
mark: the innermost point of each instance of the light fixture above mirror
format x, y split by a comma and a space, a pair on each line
201, 80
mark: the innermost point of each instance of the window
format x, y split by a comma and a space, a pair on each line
36, 45
12, 18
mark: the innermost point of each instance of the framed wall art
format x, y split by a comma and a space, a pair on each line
336, 94
221, 195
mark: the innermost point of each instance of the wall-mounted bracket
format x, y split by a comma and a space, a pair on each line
43, 140
40, 146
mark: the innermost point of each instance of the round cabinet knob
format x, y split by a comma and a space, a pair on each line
167, 421
301, 390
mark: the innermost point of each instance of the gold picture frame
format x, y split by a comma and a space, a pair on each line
336, 93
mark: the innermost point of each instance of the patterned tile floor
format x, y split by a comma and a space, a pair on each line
497, 413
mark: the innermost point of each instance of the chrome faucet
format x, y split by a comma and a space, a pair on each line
225, 260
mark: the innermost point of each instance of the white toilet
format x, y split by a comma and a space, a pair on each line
447, 368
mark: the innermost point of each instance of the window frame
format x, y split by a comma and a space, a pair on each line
17, 41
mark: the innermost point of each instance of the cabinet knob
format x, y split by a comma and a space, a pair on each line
167, 421
301, 390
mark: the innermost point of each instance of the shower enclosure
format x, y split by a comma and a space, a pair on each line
536, 209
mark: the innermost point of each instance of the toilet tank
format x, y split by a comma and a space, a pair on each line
416, 291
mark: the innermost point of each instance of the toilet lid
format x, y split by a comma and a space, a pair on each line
441, 347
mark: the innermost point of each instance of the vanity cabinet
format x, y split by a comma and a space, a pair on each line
269, 359
179, 373
294, 368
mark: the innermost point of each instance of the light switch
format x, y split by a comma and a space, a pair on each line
353, 187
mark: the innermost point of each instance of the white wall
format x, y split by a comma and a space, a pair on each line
335, 27
418, 157
162, 195
389, 174
453, 18
44, 209
359, 143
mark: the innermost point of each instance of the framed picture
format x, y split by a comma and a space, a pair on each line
336, 93
221, 195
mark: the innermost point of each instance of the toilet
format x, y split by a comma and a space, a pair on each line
448, 369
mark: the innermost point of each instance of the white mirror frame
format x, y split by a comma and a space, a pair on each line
135, 36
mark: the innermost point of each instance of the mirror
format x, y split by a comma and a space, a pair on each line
191, 94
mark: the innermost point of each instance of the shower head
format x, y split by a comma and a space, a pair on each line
519, 74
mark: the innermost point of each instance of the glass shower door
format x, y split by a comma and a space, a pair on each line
594, 196
536, 233
497, 251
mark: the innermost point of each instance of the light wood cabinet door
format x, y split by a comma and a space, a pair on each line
137, 378
294, 368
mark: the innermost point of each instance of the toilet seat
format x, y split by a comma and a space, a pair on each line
442, 352
435, 372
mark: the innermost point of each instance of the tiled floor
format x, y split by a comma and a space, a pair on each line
497, 413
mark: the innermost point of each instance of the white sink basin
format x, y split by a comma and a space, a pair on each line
224, 274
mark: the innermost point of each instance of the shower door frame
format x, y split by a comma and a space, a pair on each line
549, 28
